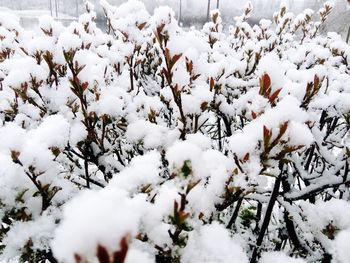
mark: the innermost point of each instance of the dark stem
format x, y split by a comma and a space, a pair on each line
86, 167
267, 217
258, 217
131, 73
219, 133
235, 214
49, 256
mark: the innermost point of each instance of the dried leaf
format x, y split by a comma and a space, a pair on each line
102, 254
189, 66
274, 95
119, 256
266, 131
15, 155
283, 128
254, 115
246, 157
84, 86
77, 258
176, 58
141, 26
265, 83
267, 137
316, 83
211, 83
204, 105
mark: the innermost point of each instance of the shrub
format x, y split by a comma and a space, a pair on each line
155, 143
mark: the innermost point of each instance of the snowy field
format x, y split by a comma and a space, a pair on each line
148, 140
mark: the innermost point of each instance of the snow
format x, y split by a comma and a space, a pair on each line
270, 64
143, 170
287, 110
212, 244
9, 20
181, 152
69, 42
135, 256
323, 213
120, 216
341, 251
160, 136
279, 257
150, 134
40, 232
50, 126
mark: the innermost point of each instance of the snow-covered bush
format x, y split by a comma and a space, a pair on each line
155, 143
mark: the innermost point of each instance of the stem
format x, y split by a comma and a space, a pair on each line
229, 201
86, 167
291, 231
293, 237
219, 133
258, 217
235, 214
131, 73
49, 256
226, 121
267, 217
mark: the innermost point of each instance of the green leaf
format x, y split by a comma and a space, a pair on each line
186, 169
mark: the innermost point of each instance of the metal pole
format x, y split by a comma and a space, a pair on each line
208, 11
56, 7
50, 6
217, 4
76, 8
180, 11
348, 36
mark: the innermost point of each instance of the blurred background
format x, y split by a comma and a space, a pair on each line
189, 12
